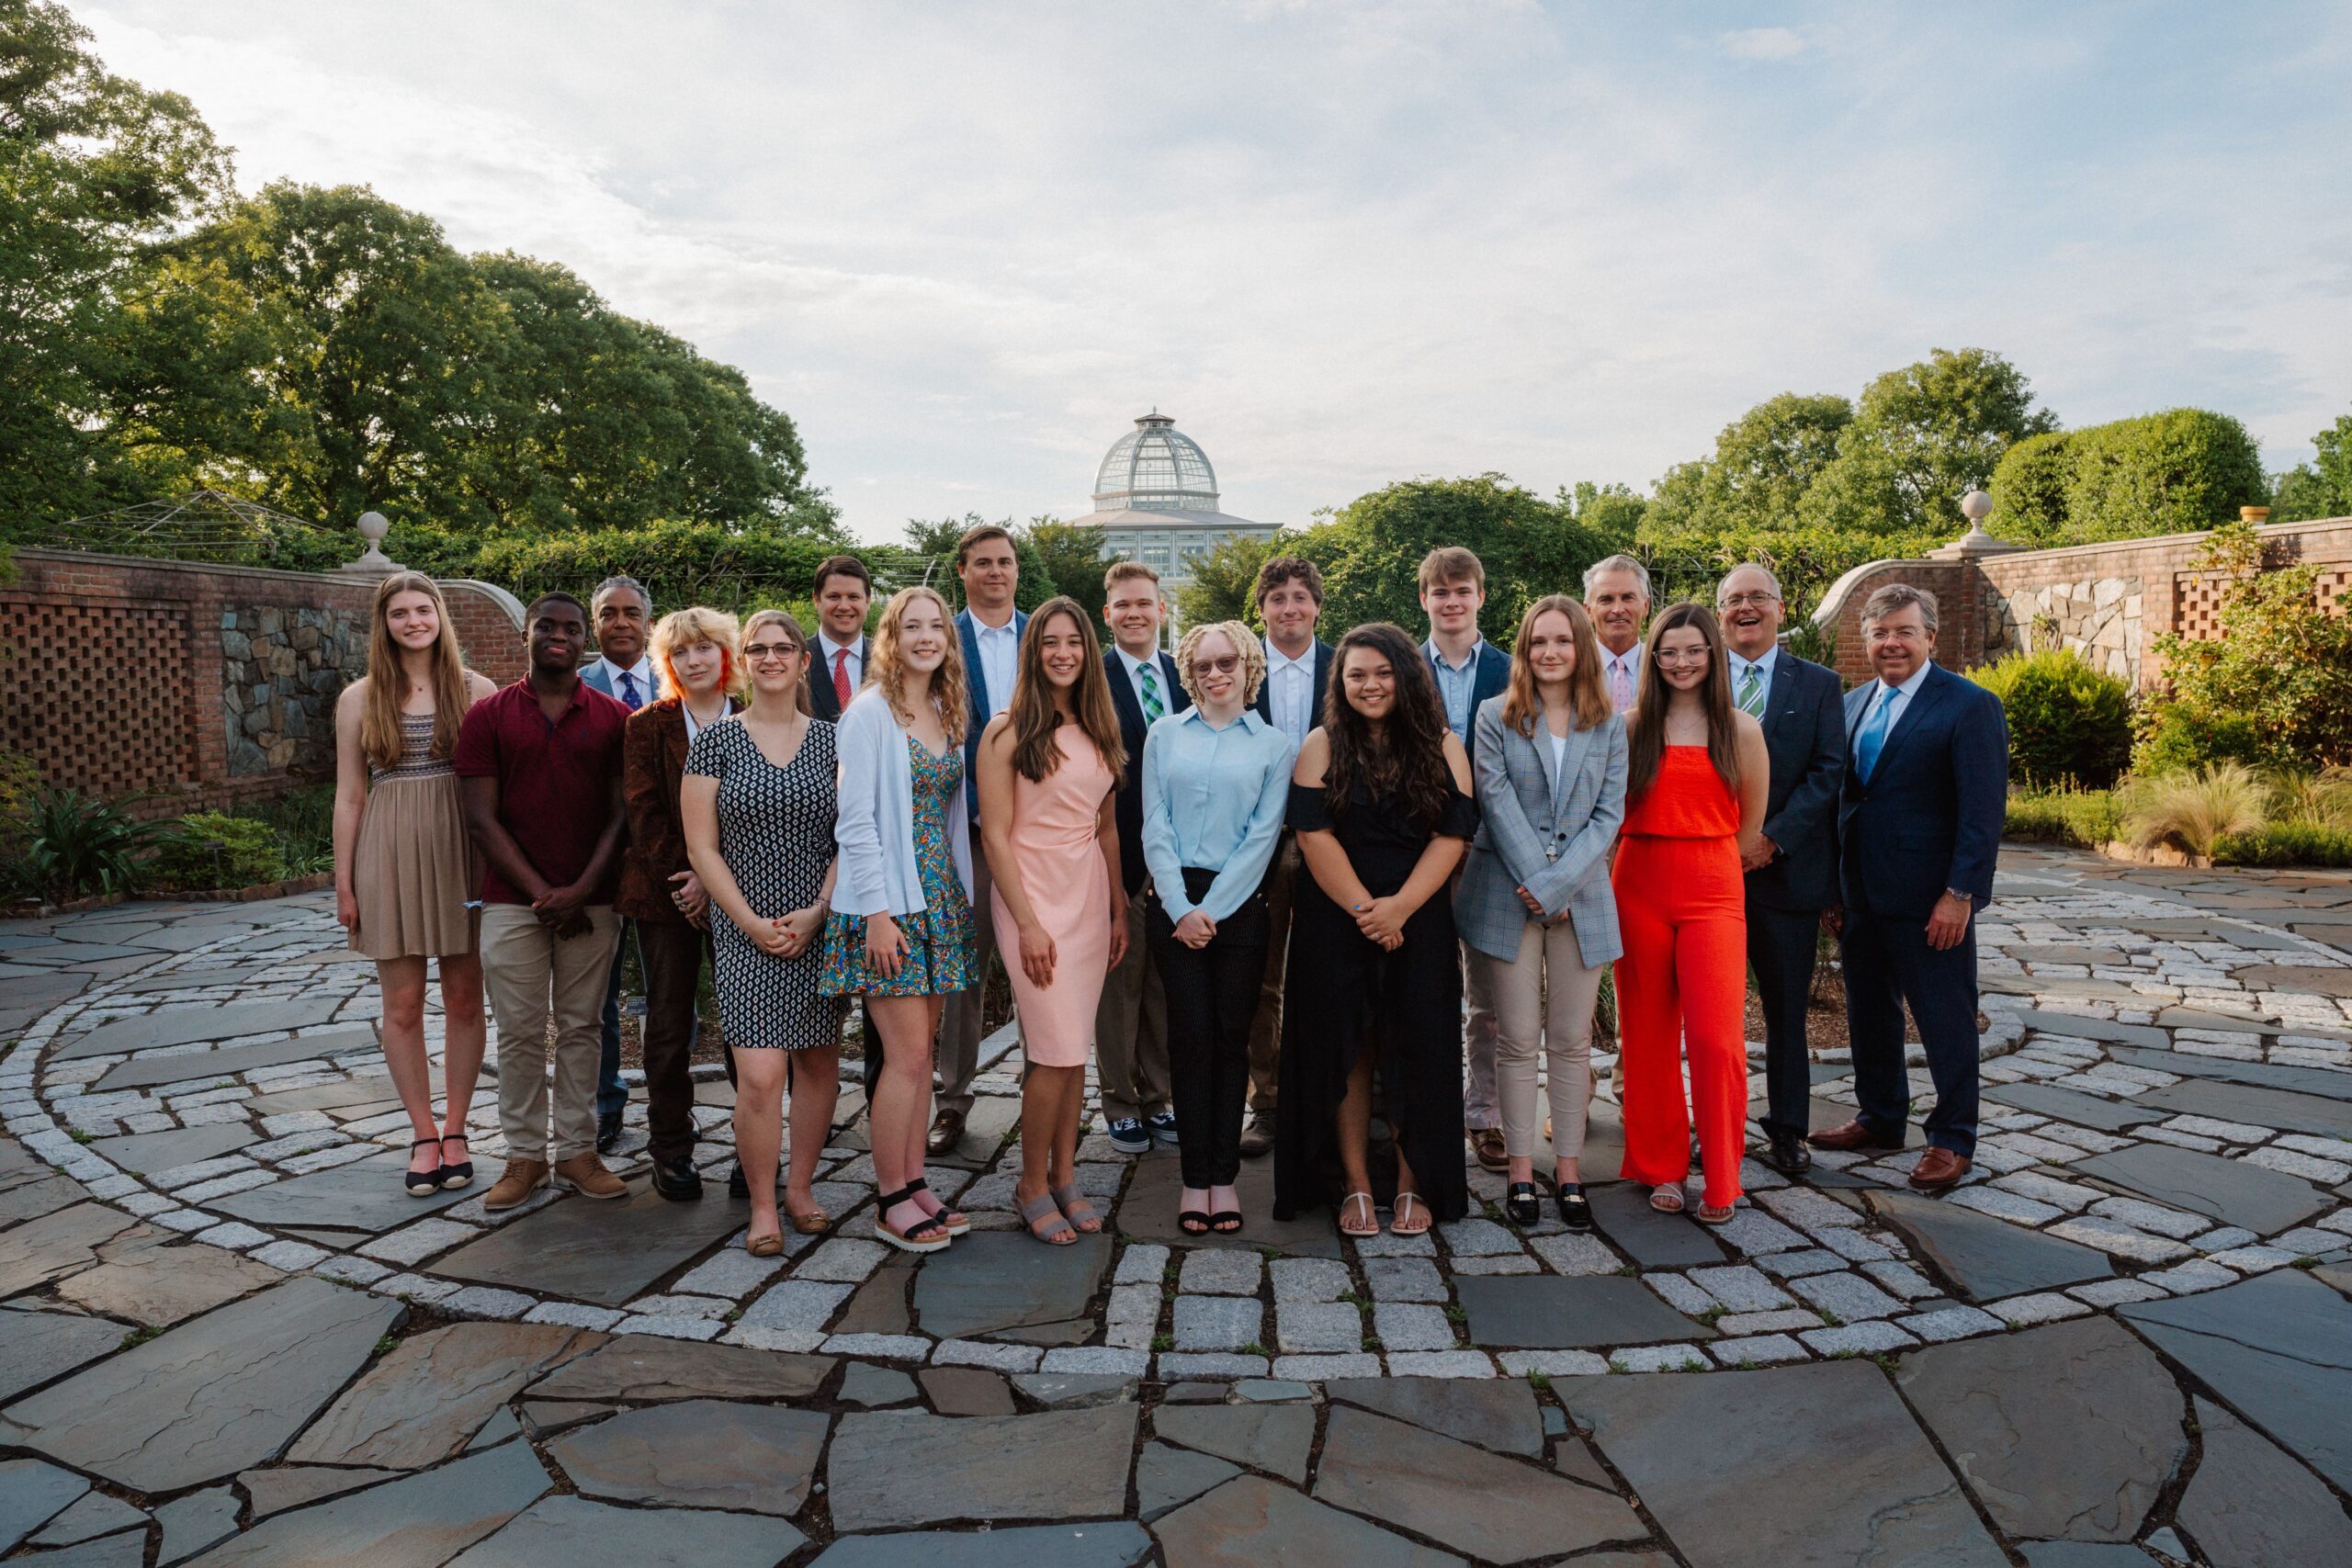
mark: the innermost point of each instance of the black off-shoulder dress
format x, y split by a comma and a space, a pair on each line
1344, 993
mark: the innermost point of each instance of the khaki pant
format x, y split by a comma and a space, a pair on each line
958, 1057
1266, 1032
530, 972
1542, 1002
1131, 1028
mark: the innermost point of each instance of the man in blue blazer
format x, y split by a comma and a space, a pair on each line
991, 629
1131, 1020
1919, 828
1793, 876
1469, 670
1289, 593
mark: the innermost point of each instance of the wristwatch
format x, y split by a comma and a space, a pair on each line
1956, 892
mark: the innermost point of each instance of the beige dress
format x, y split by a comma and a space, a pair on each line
414, 871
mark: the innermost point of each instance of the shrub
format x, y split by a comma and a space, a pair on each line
2029, 489
2273, 690
2320, 800
303, 821
2194, 810
2085, 818
2067, 721
77, 844
209, 850
2162, 473
680, 563
2286, 843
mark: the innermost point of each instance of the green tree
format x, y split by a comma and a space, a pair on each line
2322, 488
1613, 512
94, 171
936, 538
680, 562
1370, 551
1224, 585
1753, 483
1073, 558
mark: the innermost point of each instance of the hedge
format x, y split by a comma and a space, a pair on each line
2174, 472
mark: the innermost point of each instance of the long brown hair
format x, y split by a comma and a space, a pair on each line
1035, 719
948, 694
1588, 690
741, 684
380, 719
1645, 730
1405, 757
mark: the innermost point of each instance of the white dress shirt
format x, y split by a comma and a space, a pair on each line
1290, 692
1896, 699
1134, 667
1630, 663
1000, 658
829, 650
645, 675
1763, 667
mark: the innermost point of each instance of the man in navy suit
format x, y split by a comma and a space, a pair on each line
622, 612
1131, 1021
1469, 670
1920, 827
843, 593
991, 629
1792, 875
1289, 592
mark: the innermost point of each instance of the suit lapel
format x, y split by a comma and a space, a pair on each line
1906, 723
1123, 697
1572, 764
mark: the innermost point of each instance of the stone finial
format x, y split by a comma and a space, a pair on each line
1975, 507
372, 562
2255, 515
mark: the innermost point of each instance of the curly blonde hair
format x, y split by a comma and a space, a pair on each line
949, 696
1245, 643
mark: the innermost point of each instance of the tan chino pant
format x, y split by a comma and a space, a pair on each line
1131, 1028
1543, 1003
530, 973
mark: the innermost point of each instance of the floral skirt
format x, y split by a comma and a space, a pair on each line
940, 958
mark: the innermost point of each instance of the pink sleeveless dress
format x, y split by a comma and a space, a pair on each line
1061, 870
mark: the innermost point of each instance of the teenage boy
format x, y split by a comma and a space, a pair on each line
844, 591
1131, 1023
540, 763
991, 629
1469, 670
1299, 673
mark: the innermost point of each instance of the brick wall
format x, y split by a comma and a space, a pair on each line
200, 684
2108, 602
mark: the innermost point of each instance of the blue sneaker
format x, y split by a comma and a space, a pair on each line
1163, 1127
1128, 1136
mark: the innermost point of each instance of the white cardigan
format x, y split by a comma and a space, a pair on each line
877, 829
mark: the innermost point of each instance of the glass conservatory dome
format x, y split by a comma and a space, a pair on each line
1156, 468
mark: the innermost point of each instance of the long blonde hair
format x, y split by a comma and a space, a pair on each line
1588, 692
949, 696
380, 719
1035, 752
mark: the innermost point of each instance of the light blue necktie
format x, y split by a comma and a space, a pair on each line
1874, 733
628, 691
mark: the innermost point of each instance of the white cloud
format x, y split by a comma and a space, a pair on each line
964, 246
1762, 43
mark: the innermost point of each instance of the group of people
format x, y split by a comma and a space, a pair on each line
1277, 890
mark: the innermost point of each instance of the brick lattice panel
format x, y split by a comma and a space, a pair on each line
101, 700
2197, 600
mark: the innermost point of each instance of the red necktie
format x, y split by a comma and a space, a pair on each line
841, 692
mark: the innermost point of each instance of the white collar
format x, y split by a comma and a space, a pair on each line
1277, 659
1761, 666
1632, 656
984, 629
1910, 688
1150, 660
642, 671
825, 641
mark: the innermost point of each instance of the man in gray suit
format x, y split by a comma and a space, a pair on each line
1792, 875
623, 669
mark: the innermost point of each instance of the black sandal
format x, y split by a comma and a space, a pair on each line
1193, 1222
926, 1235
461, 1174
1522, 1206
1226, 1221
1575, 1213
961, 1225
424, 1183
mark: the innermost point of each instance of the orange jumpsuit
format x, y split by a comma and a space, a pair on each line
1682, 908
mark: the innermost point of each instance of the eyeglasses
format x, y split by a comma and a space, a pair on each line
760, 650
1225, 666
1681, 656
1759, 598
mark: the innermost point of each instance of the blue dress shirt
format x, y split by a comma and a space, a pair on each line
1213, 799
1457, 687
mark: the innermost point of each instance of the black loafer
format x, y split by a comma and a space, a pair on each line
608, 1131
1522, 1206
737, 1185
1575, 1213
677, 1180
1786, 1153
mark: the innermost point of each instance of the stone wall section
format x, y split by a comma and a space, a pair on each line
196, 685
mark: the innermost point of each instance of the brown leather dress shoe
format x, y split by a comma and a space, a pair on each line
1852, 1135
946, 1132
1487, 1143
1938, 1170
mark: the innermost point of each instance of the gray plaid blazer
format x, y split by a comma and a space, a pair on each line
1550, 836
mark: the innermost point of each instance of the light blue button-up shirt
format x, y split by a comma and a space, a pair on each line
1763, 667
1213, 799
1457, 687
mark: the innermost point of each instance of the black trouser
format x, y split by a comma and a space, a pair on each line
1212, 1000
1782, 948
671, 954
1889, 964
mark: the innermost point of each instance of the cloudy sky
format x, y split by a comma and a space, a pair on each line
964, 244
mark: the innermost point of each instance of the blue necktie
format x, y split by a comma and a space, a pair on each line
629, 698
1873, 734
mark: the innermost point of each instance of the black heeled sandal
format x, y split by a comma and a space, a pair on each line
926, 1235
961, 1225
461, 1174
1522, 1207
1575, 1213
423, 1183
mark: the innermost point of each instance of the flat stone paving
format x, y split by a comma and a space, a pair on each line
226, 1337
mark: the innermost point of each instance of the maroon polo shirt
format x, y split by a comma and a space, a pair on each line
555, 781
